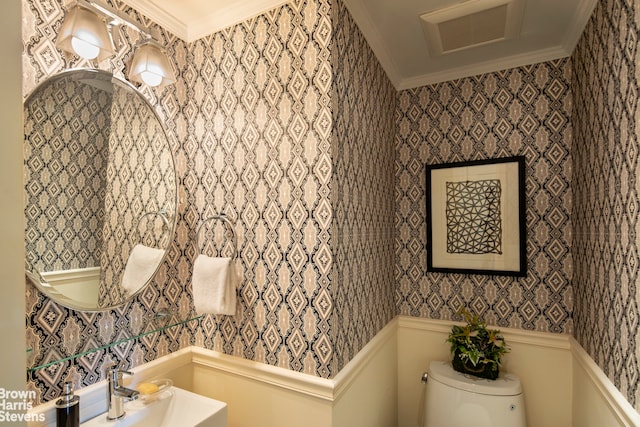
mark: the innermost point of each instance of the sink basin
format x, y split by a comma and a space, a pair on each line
173, 407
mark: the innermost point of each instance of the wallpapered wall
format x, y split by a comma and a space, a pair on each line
363, 156
522, 111
268, 147
269, 123
252, 128
258, 149
606, 202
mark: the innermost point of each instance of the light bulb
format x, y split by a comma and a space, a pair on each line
151, 79
151, 66
85, 34
84, 49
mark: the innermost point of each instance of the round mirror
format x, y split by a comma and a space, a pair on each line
100, 190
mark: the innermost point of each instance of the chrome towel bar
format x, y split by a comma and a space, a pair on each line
227, 223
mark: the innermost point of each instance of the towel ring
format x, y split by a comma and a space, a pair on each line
227, 223
161, 213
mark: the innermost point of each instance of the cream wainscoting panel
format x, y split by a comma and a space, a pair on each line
596, 401
260, 394
541, 360
419, 342
563, 386
381, 386
366, 388
362, 394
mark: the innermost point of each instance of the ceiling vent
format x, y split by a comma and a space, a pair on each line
471, 23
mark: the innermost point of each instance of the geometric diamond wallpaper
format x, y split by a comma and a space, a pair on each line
257, 148
362, 194
523, 111
252, 121
287, 123
605, 212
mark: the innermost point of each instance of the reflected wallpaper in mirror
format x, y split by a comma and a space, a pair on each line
100, 190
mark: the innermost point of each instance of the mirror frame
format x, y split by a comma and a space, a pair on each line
35, 276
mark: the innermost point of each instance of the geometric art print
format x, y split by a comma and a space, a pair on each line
474, 222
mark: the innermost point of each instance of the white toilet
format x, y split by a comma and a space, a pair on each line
458, 400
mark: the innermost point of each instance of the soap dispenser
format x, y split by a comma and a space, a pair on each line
68, 408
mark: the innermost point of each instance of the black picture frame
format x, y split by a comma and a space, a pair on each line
476, 217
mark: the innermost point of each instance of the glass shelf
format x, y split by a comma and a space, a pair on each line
50, 355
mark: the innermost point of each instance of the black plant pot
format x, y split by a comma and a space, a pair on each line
483, 370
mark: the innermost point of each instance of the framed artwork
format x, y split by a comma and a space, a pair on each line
476, 221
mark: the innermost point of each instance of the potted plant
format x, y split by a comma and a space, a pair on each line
476, 350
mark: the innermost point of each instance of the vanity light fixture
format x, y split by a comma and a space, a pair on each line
150, 65
84, 33
89, 29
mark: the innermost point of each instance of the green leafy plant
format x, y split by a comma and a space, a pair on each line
476, 349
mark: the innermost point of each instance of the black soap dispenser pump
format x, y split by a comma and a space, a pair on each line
68, 408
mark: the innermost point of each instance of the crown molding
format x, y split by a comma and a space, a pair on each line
219, 18
580, 20
374, 39
239, 11
233, 13
490, 66
160, 17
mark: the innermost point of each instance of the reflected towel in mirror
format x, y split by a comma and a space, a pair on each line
214, 285
142, 263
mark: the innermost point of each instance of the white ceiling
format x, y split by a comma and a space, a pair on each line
549, 29
193, 19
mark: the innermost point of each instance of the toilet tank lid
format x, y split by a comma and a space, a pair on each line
505, 385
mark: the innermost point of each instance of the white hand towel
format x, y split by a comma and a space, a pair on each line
142, 263
214, 285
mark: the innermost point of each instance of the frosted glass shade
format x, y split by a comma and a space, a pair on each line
151, 66
83, 33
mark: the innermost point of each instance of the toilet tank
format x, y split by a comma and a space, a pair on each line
458, 400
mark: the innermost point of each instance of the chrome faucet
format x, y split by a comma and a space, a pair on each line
117, 393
